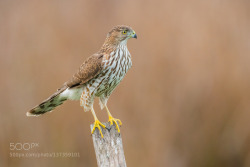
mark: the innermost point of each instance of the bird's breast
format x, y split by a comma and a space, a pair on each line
115, 68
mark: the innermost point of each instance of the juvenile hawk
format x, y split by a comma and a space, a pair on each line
98, 76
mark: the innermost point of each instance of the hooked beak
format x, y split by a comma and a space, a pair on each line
134, 35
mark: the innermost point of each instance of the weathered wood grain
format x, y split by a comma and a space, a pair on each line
109, 150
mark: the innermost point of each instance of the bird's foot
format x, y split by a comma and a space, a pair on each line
97, 124
112, 119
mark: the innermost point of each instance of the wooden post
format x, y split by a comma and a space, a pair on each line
109, 150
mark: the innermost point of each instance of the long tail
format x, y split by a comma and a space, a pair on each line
49, 104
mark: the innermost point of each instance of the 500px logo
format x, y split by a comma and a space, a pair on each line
23, 146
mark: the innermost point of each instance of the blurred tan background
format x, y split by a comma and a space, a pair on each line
184, 103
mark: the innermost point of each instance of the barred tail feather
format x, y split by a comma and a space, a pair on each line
48, 105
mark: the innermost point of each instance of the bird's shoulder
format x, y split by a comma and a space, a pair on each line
89, 69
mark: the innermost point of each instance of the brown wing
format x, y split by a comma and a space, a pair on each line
88, 70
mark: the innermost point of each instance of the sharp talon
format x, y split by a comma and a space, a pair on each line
111, 120
120, 122
97, 124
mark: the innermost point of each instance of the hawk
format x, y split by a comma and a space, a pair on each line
98, 76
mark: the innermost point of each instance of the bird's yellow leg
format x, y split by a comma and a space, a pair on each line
97, 123
112, 119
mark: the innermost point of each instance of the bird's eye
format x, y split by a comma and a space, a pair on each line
124, 32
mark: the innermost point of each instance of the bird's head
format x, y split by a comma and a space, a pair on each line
120, 34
